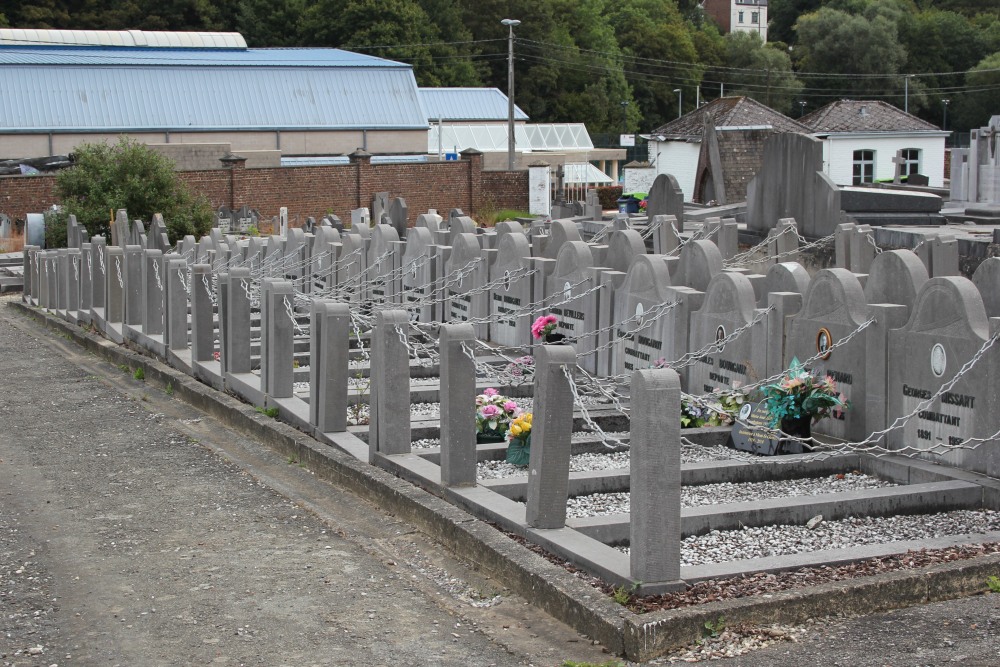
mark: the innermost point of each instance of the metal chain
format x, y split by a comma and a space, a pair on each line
118, 269
291, 315
156, 274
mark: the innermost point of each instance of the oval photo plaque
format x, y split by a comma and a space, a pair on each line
939, 360
823, 342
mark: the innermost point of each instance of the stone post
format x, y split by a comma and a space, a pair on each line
73, 269
876, 398
842, 244
329, 353
134, 291
99, 259
27, 262
655, 476
152, 283
728, 238
62, 278
86, 284
236, 332
548, 479
202, 334
862, 249
458, 409
53, 283
222, 318
114, 294
177, 305
276, 344
389, 421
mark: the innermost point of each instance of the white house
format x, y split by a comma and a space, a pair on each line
741, 126
739, 15
861, 138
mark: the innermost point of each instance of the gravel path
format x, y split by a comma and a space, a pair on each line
720, 494
126, 539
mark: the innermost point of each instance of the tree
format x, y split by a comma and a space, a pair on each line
855, 52
761, 72
982, 101
126, 175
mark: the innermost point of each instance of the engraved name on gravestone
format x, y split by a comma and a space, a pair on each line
462, 268
510, 324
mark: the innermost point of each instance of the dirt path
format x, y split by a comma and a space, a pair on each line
136, 531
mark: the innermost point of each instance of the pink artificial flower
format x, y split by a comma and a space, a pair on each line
545, 324
510, 406
491, 411
490, 391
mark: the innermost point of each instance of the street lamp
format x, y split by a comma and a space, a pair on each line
680, 97
945, 124
510, 23
624, 104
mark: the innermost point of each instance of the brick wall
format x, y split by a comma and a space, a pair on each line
313, 191
506, 189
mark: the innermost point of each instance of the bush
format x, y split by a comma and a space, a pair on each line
128, 175
609, 196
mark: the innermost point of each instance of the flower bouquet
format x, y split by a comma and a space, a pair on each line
519, 440
544, 329
800, 398
493, 415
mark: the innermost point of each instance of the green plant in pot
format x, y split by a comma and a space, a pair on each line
800, 398
494, 413
519, 440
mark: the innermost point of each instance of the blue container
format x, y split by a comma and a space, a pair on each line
628, 205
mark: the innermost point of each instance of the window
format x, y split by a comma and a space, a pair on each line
864, 167
755, 17
911, 161
741, 17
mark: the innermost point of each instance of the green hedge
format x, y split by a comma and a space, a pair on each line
609, 196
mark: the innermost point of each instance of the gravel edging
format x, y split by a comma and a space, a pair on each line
549, 586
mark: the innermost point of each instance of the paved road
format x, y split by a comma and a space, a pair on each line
135, 531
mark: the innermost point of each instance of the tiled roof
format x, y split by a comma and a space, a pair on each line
863, 116
729, 112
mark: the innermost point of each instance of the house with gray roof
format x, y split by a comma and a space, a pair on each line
715, 150
861, 138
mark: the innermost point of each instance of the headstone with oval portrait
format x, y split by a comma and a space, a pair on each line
570, 298
510, 299
418, 275
947, 329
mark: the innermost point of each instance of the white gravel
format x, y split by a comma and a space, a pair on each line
598, 461
747, 543
599, 504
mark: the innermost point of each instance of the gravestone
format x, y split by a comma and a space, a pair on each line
568, 297
462, 272
510, 299
561, 232
593, 210
784, 277
380, 205
6, 229
223, 219
751, 432
623, 247
399, 214
700, 261
729, 305
384, 257
666, 198
360, 217
987, 281
833, 308
430, 221
946, 329
419, 269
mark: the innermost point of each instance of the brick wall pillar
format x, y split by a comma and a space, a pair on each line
236, 164
475, 159
362, 162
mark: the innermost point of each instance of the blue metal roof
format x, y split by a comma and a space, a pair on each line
187, 57
112, 90
467, 104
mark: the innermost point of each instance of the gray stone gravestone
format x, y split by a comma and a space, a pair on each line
729, 305
700, 261
224, 220
360, 217
623, 247
380, 205
419, 269
560, 233
666, 198
946, 329
567, 290
509, 301
399, 213
34, 230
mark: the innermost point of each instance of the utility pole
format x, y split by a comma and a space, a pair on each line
510, 23
680, 99
906, 92
944, 125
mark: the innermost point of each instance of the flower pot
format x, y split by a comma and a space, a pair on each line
555, 339
519, 451
487, 437
797, 427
